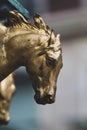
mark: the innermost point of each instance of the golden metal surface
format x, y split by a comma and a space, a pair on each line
34, 46
7, 89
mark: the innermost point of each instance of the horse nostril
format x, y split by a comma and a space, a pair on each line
50, 97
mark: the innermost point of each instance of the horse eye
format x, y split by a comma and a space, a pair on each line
51, 61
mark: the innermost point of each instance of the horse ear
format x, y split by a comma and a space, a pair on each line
58, 40
58, 37
52, 39
39, 22
48, 30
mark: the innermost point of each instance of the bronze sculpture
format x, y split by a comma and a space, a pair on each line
7, 89
34, 46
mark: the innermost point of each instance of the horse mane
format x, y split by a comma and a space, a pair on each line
19, 25
17, 20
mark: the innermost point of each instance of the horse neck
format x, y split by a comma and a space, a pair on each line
6, 67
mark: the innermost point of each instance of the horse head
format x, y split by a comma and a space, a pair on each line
36, 47
44, 68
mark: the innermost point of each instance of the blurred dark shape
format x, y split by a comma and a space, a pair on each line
56, 5
9, 5
30, 5
79, 125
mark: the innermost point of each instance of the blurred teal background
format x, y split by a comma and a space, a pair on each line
69, 112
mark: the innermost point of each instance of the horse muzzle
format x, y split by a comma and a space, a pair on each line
47, 99
4, 118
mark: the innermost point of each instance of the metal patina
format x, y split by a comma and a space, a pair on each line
34, 46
